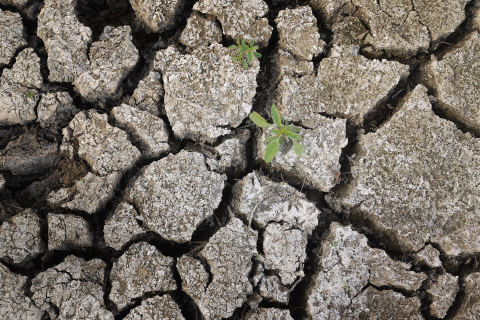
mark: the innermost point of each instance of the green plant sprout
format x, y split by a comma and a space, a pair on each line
245, 49
30, 95
347, 288
281, 133
335, 244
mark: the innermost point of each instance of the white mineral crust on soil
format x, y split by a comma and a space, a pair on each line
229, 254
66, 231
175, 194
149, 132
11, 35
298, 33
122, 227
346, 266
72, 290
206, 93
239, 19
156, 308
141, 269
65, 38
268, 314
111, 59
157, 15
19, 89
455, 80
16, 305
415, 180
20, 239
231, 154
200, 31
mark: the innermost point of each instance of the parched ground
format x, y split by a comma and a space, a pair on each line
133, 185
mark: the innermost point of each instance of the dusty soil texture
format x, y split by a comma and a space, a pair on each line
133, 184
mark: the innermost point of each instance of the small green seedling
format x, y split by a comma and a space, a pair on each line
30, 95
335, 244
347, 288
281, 133
245, 49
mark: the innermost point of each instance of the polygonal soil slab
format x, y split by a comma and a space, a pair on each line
268, 313
141, 269
175, 194
65, 38
323, 146
72, 290
55, 110
157, 15
19, 89
11, 35
238, 19
229, 254
442, 293
200, 31
20, 238
346, 86
156, 308
416, 180
347, 265
470, 308
66, 231
122, 227
206, 93
15, 302
456, 78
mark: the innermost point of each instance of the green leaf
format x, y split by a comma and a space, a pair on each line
271, 150
234, 58
251, 43
276, 116
281, 140
254, 48
242, 50
296, 129
298, 148
292, 135
250, 56
258, 55
275, 131
245, 65
243, 41
271, 138
259, 120
233, 46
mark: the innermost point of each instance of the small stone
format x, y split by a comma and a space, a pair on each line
122, 226
455, 82
206, 93
56, 110
230, 155
200, 31
2, 182
16, 305
470, 308
240, 21
442, 293
105, 148
90, 194
19, 89
323, 147
429, 256
147, 130
298, 33
156, 308
346, 86
157, 15
111, 59
149, 94
20, 4
72, 290
407, 175
229, 254
65, 38
175, 194
29, 154
11, 35
346, 266
385, 304
271, 288
20, 239
141, 269
268, 314
66, 231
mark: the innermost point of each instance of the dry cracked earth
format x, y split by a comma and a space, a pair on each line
133, 186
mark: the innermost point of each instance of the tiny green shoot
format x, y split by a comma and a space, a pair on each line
30, 95
335, 244
281, 130
346, 287
245, 48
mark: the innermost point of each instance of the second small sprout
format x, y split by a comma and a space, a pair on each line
250, 50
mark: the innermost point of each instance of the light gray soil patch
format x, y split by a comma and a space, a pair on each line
122, 226
156, 308
470, 308
442, 292
56, 110
201, 31
66, 231
156, 15
11, 35
268, 313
